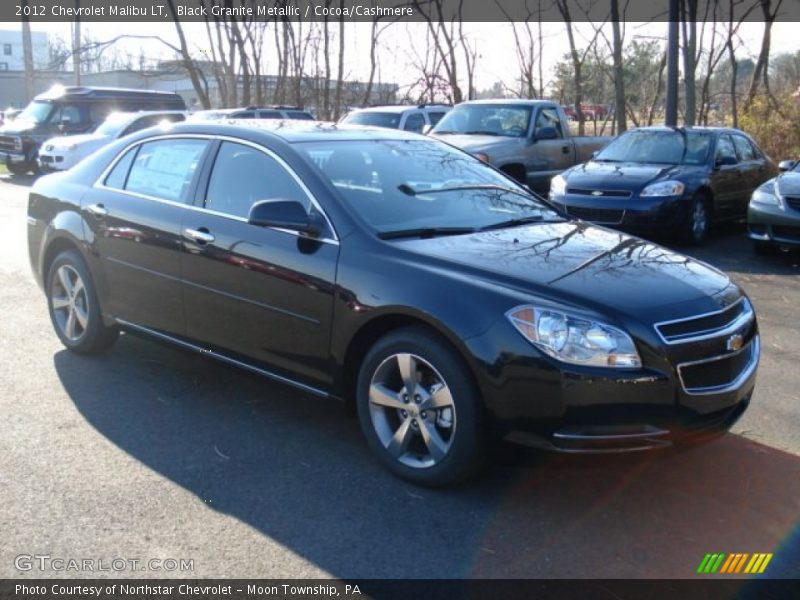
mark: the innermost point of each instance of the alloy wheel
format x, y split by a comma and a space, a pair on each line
699, 220
70, 303
412, 410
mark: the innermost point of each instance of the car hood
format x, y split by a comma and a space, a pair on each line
616, 176
595, 267
478, 143
788, 184
87, 139
17, 127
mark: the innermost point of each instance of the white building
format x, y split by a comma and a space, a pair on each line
11, 55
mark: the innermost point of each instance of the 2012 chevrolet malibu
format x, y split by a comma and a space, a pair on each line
397, 272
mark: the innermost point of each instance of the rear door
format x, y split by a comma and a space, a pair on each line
134, 217
726, 179
261, 293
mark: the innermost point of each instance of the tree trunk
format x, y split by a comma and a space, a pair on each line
188, 63
76, 48
689, 23
619, 80
337, 109
27, 53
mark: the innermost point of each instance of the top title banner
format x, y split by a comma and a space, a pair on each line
386, 10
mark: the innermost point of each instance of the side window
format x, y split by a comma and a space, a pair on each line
415, 122
725, 148
67, 112
116, 178
165, 168
243, 175
435, 117
744, 148
269, 114
245, 114
548, 117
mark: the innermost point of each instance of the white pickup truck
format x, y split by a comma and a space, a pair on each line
528, 139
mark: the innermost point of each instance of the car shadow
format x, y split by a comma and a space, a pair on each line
294, 467
20, 180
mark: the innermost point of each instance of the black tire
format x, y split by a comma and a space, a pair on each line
87, 334
698, 221
438, 368
18, 169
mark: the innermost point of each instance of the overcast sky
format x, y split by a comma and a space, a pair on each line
494, 42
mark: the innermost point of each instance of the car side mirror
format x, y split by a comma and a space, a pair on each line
546, 133
285, 214
726, 161
786, 165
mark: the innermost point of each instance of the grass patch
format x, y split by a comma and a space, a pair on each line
3, 170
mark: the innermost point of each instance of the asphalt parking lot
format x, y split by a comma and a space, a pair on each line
151, 452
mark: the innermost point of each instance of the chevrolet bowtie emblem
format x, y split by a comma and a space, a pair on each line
735, 342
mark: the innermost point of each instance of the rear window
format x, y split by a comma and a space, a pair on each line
300, 115
375, 119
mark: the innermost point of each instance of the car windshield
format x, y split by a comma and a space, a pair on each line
425, 186
37, 111
670, 147
113, 125
376, 119
486, 119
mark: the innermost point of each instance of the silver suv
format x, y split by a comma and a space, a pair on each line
408, 118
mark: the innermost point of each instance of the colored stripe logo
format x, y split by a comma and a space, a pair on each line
738, 562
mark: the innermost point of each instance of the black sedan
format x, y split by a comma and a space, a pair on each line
773, 218
396, 272
666, 180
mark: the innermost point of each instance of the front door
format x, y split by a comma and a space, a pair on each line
263, 294
547, 158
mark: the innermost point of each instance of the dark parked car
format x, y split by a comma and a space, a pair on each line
70, 111
773, 218
658, 180
389, 269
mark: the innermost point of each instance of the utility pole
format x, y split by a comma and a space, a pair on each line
27, 53
76, 47
672, 65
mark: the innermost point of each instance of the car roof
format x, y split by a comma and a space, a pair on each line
401, 108
700, 128
132, 116
292, 130
520, 101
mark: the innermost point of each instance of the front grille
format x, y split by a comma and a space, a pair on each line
786, 233
793, 202
721, 373
726, 321
46, 159
609, 216
10, 143
599, 193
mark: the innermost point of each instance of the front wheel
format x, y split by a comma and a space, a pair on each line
698, 222
18, 169
74, 309
419, 409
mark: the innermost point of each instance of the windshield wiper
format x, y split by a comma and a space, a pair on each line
482, 132
425, 232
446, 131
518, 221
606, 160
410, 191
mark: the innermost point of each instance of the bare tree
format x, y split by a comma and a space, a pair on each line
195, 74
619, 76
76, 45
27, 53
761, 72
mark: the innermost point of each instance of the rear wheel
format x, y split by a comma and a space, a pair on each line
74, 309
18, 168
419, 409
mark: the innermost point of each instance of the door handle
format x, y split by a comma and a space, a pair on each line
98, 210
201, 236
565, 149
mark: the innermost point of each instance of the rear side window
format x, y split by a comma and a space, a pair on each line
116, 178
165, 168
415, 122
744, 148
269, 114
243, 175
300, 115
435, 117
725, 148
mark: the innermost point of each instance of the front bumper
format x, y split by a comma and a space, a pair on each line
632, 213
773, 224
53, 162
12, 157
683, 391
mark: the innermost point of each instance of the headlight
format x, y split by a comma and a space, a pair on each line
663, 188
766, 195
558, 185
573, 339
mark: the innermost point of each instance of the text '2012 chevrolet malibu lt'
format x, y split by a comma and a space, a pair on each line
394, 271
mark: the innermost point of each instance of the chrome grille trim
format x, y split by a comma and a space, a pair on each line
754, 348
744, 319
